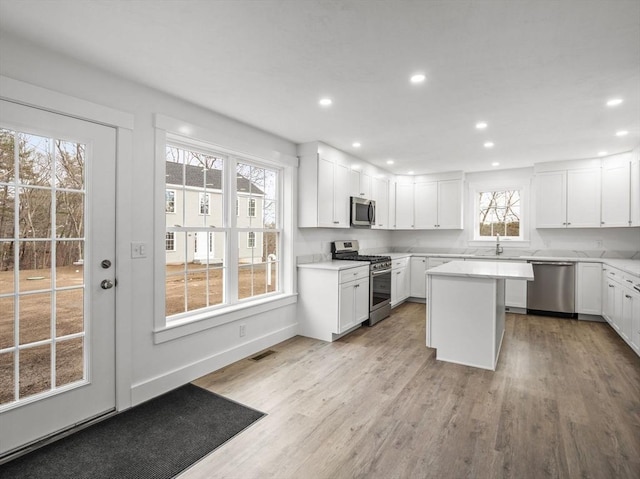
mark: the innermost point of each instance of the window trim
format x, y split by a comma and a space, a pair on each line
474, 239
282, 159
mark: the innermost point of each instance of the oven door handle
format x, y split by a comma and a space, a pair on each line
378, 273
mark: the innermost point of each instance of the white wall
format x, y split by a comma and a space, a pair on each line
153, 368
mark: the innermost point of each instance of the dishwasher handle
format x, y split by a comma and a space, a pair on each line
552, 263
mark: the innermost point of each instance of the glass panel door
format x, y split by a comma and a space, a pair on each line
56, 225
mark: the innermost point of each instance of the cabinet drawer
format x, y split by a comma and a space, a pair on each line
400, 263
353, 274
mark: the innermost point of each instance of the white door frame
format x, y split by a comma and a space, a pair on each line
37, 97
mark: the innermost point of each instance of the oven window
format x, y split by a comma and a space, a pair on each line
380, 288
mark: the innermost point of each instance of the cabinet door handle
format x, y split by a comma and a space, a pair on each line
336, 222
627, 296
568, 223
602, 222
611, 286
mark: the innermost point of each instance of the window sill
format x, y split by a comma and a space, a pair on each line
211, 319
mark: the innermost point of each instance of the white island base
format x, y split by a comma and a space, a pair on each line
466, 310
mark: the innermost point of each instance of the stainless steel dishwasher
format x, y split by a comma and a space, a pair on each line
552, 291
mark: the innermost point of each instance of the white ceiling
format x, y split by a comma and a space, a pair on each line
537, 71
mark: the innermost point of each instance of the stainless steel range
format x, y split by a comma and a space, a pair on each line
379, 278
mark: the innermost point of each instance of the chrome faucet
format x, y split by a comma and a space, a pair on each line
499, 249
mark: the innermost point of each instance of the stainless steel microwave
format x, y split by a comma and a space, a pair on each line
363, 212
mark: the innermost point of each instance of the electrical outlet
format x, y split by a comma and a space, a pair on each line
243, 330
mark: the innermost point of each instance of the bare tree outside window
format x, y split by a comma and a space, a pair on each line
499, 213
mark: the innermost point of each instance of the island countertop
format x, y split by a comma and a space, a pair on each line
484, 269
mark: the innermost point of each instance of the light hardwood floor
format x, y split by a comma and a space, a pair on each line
564, 402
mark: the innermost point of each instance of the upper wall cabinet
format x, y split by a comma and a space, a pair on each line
568, 198
360, 183
380, 194
427, 203
634, 213
323, 183
327, 178
616, 191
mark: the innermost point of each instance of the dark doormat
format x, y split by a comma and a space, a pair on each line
157, 439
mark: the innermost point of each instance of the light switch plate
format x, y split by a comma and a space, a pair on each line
138, 250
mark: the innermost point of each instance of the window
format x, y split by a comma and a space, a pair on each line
170, 201
170, 241
204, 203
498, 213
251, 208
209, 241
251, 239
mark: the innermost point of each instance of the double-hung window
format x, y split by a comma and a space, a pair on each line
498, 212
220, 258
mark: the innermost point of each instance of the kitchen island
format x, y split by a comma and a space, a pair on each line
466, 310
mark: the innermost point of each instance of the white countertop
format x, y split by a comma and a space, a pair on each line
630, 266
484, 269
334, 265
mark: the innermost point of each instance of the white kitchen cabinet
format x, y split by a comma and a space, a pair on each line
399, 281
429, 204
616, 191
568, 199
323, 177
631, 307
353, 304
404, 205
589, 289
418, 268
450, 204
551, 199
425, 205
380, 194
621, 305
359, 184
634, 213
392, 204
331, 302
583, 198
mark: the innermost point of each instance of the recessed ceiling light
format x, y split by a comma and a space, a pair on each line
184, 129
418, 78
409, 172
355, 167
602, 153
481, 125
389, 162
488, 144
495, 163
614, 102
325, 101
355, 144
622, 133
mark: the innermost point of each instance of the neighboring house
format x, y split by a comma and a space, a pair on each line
201, 206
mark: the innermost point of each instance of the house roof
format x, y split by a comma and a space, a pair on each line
195, 177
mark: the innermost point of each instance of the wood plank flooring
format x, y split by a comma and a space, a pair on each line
563, 403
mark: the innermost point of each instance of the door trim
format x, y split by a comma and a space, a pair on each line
63, 104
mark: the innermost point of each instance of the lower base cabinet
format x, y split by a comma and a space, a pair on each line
400, 281
621, 305
331, 302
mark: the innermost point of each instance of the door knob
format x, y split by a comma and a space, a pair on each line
106, 284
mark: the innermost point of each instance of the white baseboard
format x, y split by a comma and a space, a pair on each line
161, 384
